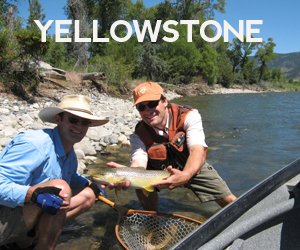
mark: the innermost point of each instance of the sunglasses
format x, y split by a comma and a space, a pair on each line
74, 120
150, 105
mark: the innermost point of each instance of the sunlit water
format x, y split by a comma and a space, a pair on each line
250, 136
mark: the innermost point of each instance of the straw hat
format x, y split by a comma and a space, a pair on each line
75, 104
147, 91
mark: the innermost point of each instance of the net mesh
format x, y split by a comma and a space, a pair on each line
151, 231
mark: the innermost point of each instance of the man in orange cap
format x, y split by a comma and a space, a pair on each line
171, 136
39, 183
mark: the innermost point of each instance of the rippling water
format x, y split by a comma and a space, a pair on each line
250, 136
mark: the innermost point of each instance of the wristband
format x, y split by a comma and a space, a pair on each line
39, 190
47, 199
97, 190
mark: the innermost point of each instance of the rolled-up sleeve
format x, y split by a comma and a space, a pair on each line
138, 149
194, 129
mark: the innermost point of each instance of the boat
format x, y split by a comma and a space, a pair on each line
265, 217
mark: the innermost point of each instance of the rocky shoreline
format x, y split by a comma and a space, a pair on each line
18, 115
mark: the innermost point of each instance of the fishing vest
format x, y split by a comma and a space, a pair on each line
173, 150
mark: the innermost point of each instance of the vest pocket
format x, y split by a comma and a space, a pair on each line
178, 141
157, 156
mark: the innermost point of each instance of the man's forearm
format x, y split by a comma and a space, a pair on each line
194, 161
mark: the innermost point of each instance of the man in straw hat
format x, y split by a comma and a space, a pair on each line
171, 136
39, 183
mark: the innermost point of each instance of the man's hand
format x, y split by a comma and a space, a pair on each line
115, 165
47, 199
177, 178
120, 186
97, 190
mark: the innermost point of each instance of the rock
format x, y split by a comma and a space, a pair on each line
10, 132
126, 143
81, 167
15, 108
4, 141
79, 153
122, 138
91, 160
120, 120
25, 118
4, 111
109, 139
113, 147
85, 146
96, 133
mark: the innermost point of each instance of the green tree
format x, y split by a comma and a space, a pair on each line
7, 50
277, 74
106, 12
267, 74
4, 6
109, 11
208, 64
7, 45
31, 45
186, 9
117, 62
225, 75
56, 53
35, 13
149, 62
265, 54
240, 51
137, 11
235, 54
183, 58
248, 72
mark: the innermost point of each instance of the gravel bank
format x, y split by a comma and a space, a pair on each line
17, 116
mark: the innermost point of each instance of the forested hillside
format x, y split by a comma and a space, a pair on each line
288, 63
150, 58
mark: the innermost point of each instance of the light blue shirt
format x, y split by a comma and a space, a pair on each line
33, 157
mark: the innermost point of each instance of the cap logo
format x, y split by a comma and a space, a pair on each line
142, 90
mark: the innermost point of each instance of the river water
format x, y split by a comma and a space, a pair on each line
250, 136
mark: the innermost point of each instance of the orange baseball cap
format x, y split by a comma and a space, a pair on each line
147, 91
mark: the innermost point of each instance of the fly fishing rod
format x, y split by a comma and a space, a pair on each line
138, 229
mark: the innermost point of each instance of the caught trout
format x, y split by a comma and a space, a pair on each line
139, 177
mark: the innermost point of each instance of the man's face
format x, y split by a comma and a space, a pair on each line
156, 116
71, 128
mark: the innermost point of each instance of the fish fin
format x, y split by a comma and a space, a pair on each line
145, 192
149, 188
122, 180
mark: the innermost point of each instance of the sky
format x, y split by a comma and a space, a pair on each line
281, 19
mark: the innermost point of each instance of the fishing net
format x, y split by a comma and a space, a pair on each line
152, 231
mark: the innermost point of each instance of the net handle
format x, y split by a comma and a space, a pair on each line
121, 210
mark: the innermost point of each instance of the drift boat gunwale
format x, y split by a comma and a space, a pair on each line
215, 227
